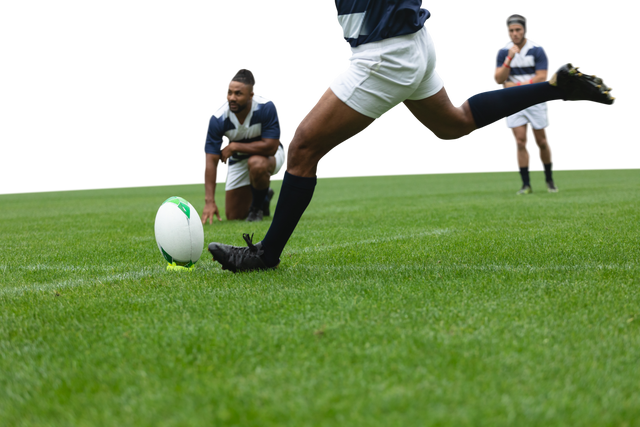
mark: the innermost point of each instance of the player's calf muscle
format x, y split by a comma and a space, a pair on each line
441, 117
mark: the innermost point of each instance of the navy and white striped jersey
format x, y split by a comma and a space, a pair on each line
523, 67
261, 122
366, 21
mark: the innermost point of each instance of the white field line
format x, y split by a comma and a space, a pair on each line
80, 281
137, 274
375, 267
365, 266
374, 241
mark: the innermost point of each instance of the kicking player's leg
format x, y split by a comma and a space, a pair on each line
567, 83
328, 124
449, 122
441, 117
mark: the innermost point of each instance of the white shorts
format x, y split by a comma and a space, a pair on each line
238, 173
536, 115
385, 73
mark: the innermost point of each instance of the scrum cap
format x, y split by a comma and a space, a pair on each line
517, 19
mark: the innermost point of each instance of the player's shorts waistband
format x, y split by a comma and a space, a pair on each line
388, 42
238, 158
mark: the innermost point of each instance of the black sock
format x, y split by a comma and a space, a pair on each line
295, 195
547, 172
258, 197
524, 173
489, 107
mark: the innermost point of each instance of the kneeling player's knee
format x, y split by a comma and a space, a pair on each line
257, 162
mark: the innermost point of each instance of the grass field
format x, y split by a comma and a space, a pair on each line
436, 300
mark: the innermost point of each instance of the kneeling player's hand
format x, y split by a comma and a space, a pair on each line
210, 210
226, 153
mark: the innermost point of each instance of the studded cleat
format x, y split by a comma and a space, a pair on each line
551, 187
581, 87
238, 258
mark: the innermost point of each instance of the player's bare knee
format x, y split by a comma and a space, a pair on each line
521, 143
257, 163
542, 146
301, 150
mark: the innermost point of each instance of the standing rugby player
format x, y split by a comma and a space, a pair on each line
522, 60
393, 62
254, 152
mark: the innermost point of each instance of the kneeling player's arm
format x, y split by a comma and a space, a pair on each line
263, 147
210, 176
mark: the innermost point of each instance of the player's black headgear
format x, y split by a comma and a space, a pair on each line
517, 19
244, 76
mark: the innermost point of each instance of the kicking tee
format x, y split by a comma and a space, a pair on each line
261, 122
366, 21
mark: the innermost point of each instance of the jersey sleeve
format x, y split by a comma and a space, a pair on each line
541, 59
214, 136
270, 123
502, 55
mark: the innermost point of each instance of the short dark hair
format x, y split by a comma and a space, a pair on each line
244, 76
517, 19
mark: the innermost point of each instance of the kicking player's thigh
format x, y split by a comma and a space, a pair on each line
439, 115
328, 124
238, 202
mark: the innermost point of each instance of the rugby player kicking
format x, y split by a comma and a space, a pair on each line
393, 61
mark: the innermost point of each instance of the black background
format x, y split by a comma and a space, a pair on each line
133, 108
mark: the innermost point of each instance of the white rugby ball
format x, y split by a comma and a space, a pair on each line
179, 232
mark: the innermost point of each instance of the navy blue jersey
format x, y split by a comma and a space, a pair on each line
524, 65
261, 122
366, 21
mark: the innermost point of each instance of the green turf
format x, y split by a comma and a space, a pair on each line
436, 300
